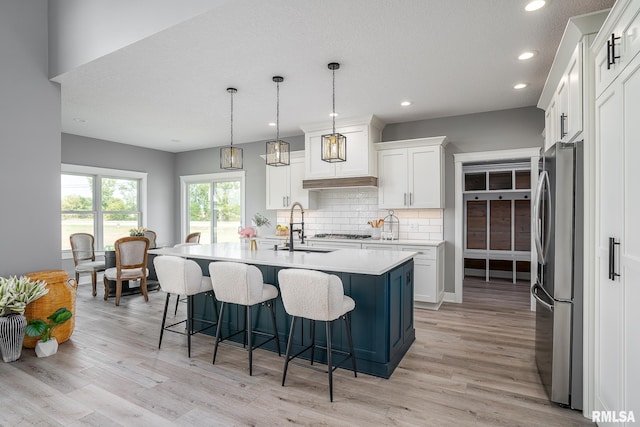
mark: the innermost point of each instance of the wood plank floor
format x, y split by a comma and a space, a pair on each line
472, 365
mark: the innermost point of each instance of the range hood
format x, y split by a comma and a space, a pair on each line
350, 182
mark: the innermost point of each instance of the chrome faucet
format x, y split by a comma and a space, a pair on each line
300, 230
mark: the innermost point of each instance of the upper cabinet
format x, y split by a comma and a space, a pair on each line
411, 173
563, 93
284, 185
615, 49
361, 155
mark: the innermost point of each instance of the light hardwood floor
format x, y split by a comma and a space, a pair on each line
472, 364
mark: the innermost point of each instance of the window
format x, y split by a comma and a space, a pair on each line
213, 204
104, 202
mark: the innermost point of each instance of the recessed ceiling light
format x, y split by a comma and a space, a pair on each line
333, 114
405, 103
272, 123
79, 120
527, 55
534, 5
520, 86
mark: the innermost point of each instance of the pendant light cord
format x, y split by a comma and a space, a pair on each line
333, 116
231, 92
277, 112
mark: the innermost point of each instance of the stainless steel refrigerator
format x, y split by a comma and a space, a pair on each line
558, 290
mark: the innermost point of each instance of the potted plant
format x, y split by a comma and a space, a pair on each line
47, 345
259, 221
137, 231
15, 294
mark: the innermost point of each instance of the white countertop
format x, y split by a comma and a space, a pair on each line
406, 242
359, 261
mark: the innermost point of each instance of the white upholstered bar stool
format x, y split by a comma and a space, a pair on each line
242, 284
320, 296
179, 276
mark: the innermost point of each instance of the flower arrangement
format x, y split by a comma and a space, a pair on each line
42, 329
16, 293
259, 220
137, 231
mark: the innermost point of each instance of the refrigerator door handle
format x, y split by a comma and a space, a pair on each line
534, 291
541, 247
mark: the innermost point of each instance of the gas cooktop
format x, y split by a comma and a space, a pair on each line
342, 236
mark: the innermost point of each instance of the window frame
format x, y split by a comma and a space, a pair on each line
97, 173
209, 178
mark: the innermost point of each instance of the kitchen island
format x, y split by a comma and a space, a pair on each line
380, 282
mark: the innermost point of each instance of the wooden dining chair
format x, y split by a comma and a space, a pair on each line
193, 238
131, 264
84, 257
152, 236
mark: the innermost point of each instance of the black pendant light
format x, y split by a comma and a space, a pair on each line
230, 156
334, 145
277, 151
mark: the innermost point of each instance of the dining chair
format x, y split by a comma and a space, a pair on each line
193, 238
131, 264
84, 257
151, 235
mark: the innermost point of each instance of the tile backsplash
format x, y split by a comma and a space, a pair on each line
348, 210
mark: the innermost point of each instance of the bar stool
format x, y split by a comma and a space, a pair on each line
242, 284
179, 276
315, 295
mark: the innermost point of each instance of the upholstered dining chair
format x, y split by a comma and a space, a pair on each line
193, 238
131, 264
84, 257
152, 236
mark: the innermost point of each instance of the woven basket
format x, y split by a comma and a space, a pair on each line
62, 293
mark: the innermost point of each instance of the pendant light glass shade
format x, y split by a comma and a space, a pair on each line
230, 156
277, 153
334, 145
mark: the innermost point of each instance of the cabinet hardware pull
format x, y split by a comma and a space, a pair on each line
410, 198
611, 51
284, 204
405, 199
563, 131
612, 258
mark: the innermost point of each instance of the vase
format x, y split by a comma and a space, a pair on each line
11, 336
46, 348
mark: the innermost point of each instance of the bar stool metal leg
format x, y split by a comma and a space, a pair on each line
289, 345
218, 332
275, 327
164, 320
189, 322
249, 336
329, 364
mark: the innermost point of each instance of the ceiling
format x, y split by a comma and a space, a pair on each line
454, 57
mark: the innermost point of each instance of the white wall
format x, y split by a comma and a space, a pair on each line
29, 143
496, 130
84, 30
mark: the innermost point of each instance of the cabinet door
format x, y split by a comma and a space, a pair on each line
573, 122
278, 184
630, 242
392, 183
550, 125
298, 194
609, 293
358, 147
425, 283
315, 167
425, 177
561, 108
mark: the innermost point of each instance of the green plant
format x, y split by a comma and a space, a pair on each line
16, 293
260, 220
137, 231
42, 329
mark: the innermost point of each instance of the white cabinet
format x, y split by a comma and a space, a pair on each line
428, 271
284, 185
617, 209
565, 88
361, 161
411, 173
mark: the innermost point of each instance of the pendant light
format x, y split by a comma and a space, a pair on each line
334, 145
277, 150
231, 157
